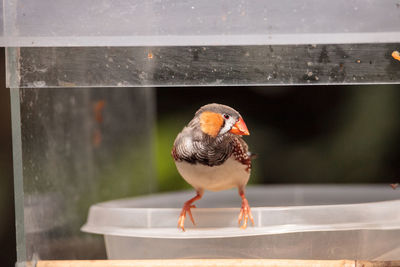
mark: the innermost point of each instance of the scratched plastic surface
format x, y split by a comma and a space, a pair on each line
192, 22
298, 222
72, 148
203, 66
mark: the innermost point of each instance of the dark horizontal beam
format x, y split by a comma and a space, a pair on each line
205, 66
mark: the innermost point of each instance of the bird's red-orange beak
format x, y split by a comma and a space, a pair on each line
240, 128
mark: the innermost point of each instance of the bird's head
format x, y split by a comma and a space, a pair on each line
216, 120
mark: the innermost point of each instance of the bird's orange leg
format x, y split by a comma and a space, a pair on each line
186, 208
245, 212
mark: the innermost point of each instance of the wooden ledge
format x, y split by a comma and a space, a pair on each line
216, 263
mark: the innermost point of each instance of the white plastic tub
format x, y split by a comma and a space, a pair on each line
298, 222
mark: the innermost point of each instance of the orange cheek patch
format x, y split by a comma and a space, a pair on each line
211, 123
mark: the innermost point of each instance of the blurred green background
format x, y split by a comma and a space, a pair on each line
302, 134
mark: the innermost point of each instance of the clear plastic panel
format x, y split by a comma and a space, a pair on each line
208, 65
191, 22
72, 148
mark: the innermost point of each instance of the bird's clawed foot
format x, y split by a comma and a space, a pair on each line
187, 209
181, 220
245, 213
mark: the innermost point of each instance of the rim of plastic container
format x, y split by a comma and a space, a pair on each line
222, 222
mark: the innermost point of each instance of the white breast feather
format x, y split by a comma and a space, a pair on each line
230, 174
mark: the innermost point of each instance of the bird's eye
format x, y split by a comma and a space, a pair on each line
226, 116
